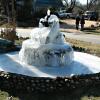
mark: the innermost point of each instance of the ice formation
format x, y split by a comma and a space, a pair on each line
46, 46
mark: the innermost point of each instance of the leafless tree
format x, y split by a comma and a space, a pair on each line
91, 4
70, 5
9, 9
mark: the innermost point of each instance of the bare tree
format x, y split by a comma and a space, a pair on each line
9, 9
92, 4
70, 5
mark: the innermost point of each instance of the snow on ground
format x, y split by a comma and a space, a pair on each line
83, 64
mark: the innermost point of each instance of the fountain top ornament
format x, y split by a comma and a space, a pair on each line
48, 12
46, 46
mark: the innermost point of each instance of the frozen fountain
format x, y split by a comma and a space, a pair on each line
47, 54
46, 46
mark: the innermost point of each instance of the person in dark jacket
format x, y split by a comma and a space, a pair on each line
77, 21
82, 22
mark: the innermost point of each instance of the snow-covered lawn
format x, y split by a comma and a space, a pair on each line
83, 64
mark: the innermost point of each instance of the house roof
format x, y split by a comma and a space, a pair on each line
55, 3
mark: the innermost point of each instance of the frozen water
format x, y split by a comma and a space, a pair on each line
46, 46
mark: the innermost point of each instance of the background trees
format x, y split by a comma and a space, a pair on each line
7, 8
91, 4
26, 8
70, 4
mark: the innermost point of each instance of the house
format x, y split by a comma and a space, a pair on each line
29, 11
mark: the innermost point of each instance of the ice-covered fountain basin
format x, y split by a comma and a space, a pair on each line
46, 54
83, 64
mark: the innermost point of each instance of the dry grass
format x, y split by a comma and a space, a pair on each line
89, 47
5, 95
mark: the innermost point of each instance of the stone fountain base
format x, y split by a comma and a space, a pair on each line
59, 85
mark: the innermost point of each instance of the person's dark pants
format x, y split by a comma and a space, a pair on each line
77, 26
82, 27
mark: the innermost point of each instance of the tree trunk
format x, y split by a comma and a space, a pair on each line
13, 11
7, 9
70, 5
87, 4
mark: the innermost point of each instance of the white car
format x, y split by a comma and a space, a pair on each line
64, 14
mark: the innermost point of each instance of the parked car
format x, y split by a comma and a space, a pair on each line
91, 15
64, 14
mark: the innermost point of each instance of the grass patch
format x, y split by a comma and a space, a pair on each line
89, 47
19, 42
5, 96
95, 32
